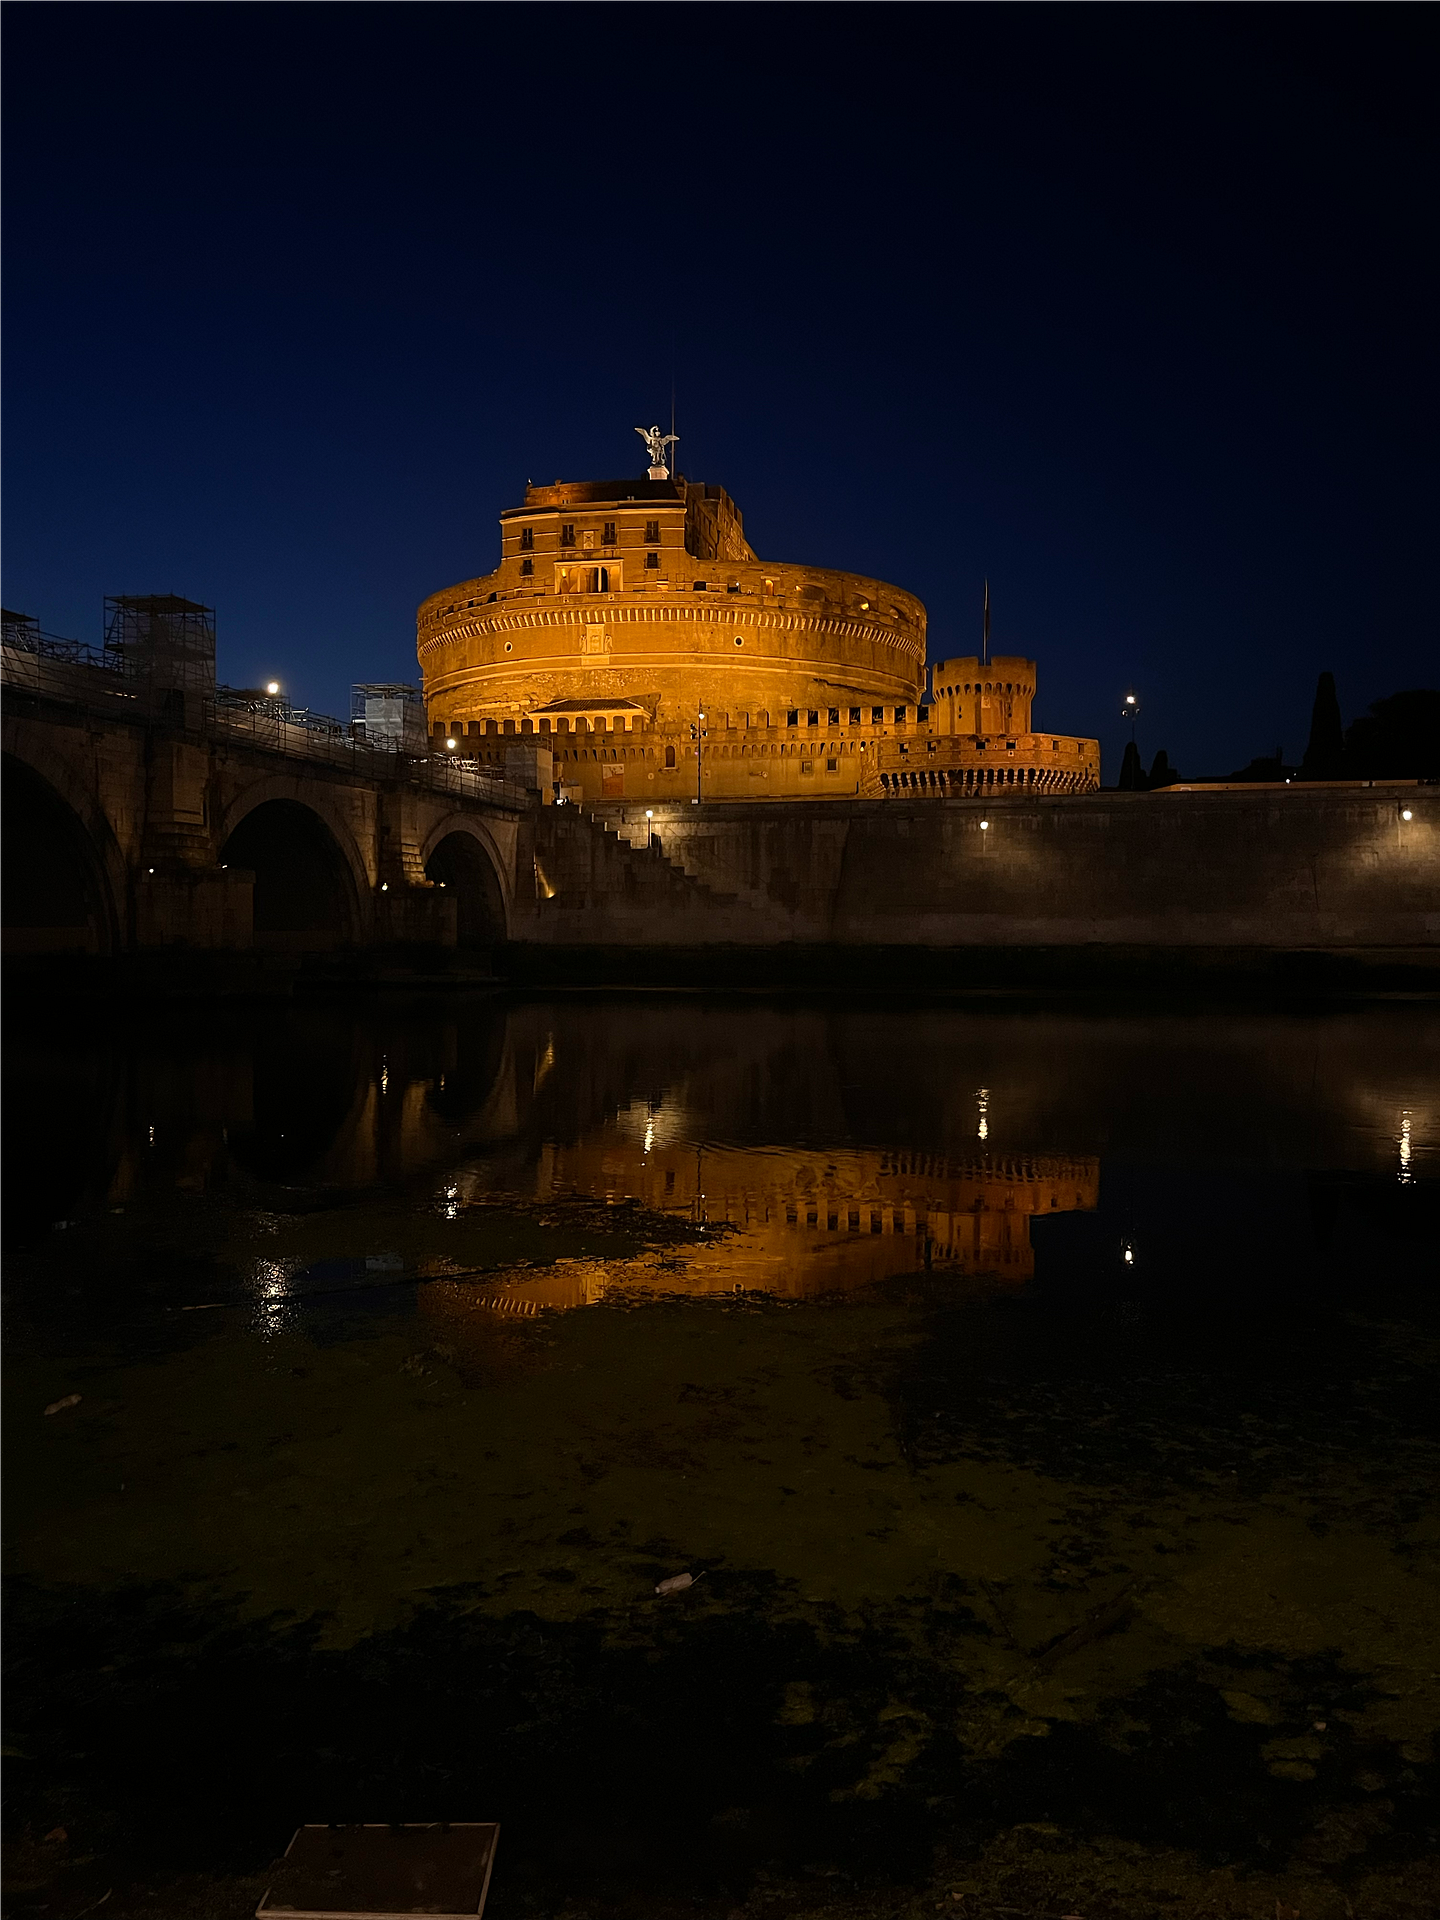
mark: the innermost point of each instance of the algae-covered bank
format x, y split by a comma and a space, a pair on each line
1042, 1402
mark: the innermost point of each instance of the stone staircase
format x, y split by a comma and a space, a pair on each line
679, 855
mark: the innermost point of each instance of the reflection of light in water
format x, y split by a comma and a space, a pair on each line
450, 1210
651, 1124
1128, 1254
384, 1077
152, 1136
1404, 1173
268, 1283
982, 1101
544, 1064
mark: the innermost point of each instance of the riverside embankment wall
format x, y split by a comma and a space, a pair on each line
1335, 869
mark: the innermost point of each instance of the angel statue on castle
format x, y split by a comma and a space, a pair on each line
655, 445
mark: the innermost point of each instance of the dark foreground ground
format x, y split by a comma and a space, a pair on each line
1108, 1593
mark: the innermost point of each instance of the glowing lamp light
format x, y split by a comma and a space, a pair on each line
272, 686
1406, 814
450, 744
649, 813
984, 826
384, 886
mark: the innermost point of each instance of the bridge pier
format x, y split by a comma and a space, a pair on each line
139, 822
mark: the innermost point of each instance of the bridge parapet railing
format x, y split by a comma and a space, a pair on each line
84, 680
301, 734
66, 671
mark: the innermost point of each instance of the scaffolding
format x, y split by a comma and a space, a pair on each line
165, 643
388, 714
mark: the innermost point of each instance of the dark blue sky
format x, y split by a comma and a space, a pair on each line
1133, 309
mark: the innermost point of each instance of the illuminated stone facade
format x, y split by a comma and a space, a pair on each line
633, 638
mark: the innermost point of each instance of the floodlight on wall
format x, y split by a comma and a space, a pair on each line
1406, 814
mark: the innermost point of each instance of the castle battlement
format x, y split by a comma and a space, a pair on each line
639, 608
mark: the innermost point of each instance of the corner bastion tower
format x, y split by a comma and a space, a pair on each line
631, 637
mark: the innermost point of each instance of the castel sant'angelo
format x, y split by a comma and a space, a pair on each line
631, 630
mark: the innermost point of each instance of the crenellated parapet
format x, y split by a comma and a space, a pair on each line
638, 608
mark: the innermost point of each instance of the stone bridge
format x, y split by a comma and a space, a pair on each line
134, 821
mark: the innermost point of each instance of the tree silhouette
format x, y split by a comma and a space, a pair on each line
1398, 739
1325, 754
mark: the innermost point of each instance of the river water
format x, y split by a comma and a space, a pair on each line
1043, 1401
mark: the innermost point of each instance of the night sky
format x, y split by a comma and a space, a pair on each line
1132, 309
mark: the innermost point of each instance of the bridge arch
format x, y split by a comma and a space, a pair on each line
311, 886
461, 852
64, 874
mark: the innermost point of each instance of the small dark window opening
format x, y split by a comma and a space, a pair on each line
792, 717
700, 586
669, 756
877, 715
813, 716
652, 560
527, 567
854, 716
652, 532
527, 539
832, 766
567, 536
834, 716
899, 716
608, 537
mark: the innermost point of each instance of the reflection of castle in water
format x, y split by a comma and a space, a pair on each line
810, 1220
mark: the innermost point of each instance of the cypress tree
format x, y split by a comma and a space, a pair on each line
1132, 772
1325, 755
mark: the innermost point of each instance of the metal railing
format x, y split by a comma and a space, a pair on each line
83, 680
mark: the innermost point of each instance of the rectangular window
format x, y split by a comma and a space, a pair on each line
792, 717
854, 716
832, 766
527, 566
877, 715
608, 537
652, 532
527, 539
567, 536
834, 716
812, 715
899, 716
652, 560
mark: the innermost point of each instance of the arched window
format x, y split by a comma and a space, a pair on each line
669, 757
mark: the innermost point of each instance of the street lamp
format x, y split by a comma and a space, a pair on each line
649, 828
450, 746
698, 730
1130, 711
272, 687
984, 826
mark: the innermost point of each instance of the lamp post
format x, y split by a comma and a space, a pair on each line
1130, 711
698, 731
650, 829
